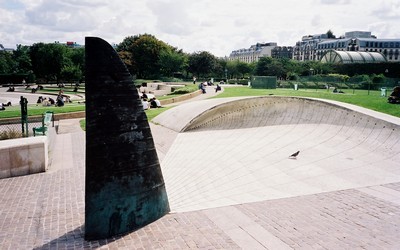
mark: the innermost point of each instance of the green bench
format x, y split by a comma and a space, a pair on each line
47, 119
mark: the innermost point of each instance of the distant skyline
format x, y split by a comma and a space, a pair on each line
216, 26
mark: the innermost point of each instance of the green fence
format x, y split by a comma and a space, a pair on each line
263, 82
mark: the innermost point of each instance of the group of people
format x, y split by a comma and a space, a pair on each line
335, 90
59, 102
153, 103
203, 85
45, 101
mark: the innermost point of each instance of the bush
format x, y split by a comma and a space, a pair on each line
285, 84
293, 77
238, 81
181, 91
170, 79
10, 134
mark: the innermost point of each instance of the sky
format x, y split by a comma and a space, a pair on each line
216, 26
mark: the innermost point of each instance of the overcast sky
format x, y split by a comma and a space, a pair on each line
217, 26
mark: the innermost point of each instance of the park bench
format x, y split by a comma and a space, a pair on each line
47, 118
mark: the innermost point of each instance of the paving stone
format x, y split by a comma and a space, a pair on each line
46, 211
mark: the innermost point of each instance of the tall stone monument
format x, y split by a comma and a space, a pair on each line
124, 185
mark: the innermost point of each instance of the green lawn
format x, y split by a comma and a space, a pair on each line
33, 110
373, 100
150, 113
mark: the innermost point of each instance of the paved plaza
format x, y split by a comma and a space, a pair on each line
232, 187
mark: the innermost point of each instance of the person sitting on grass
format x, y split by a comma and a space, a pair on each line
46, 102
39, 100
60, 101
218, 88
155, 103
145, 104
395, 95
51, 100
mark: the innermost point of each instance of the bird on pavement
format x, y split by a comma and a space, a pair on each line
294, 155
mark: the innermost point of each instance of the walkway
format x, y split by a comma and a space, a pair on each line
46, 211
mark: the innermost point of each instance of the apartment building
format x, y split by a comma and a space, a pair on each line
316, 46
253, 53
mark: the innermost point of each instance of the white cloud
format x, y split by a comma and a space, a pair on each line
335, 1
316, 21
217, 26
389, 10
173, 17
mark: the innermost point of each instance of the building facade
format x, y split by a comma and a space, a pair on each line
253, 53
315, 47
282, 52
70, 44
305, 50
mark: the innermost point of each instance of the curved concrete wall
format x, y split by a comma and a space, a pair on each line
271, 111
232, 151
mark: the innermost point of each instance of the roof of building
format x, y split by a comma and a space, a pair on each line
379, 39
335, 56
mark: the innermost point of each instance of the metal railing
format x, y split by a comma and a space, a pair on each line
10, 129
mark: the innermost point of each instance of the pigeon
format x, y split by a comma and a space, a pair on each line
294, 155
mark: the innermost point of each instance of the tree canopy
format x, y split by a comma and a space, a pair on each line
145, 53
201, 63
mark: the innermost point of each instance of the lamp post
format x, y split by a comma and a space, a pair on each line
386, 75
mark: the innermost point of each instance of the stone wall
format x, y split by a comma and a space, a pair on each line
23, 156
180, 98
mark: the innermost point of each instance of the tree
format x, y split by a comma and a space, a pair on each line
74, 64
171, 61
263, 66
219, 67
243, 68
22, 61
232, 70
145, 50
6, 63
201, 63
71, 73
330, 34
127, 58
48, 60
77, 57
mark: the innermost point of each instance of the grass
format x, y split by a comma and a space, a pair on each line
150, 113
33, 110
373, 100
82, 123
